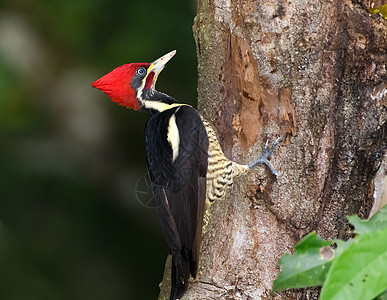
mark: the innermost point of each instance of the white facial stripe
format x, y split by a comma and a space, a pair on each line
160, 106
140, 89
173, 137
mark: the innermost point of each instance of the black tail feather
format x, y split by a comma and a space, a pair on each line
180, 275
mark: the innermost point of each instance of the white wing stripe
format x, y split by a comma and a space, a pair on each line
173, 137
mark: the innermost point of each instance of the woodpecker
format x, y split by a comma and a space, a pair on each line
186, 165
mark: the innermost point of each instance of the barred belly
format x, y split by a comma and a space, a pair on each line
220, 173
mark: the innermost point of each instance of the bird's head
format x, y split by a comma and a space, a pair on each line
132, 85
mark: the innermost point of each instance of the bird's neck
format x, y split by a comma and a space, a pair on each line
155, 101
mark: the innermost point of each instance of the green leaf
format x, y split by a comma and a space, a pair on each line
382, 296
307, 266
376, 223
342, 246
380, 10
360, 271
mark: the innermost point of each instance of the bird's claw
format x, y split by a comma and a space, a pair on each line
266, 154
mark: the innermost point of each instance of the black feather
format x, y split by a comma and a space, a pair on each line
179, 188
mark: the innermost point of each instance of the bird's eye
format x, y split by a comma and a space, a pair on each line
141, 71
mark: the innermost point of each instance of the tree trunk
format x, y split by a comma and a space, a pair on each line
314, 71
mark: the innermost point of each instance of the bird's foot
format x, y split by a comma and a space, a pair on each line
265, 155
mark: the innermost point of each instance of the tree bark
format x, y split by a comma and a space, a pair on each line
314, 71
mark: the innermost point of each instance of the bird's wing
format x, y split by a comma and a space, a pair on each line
178, 177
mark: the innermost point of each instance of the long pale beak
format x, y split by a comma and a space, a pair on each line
158, 65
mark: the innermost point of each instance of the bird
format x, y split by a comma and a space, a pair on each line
186, 165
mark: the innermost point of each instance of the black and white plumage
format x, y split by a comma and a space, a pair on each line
179, 185
186, 165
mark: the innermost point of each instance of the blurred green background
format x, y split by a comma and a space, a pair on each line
71, 223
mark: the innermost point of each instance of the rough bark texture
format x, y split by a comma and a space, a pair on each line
316, 72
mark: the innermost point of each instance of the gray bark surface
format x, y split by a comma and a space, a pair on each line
316, 72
